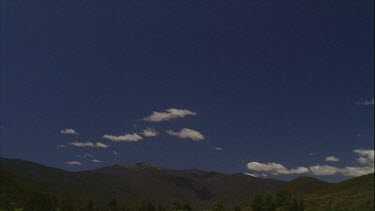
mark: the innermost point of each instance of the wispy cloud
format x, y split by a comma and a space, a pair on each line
366, 102
332, 159
89, 144
96, 161
85, 156
218, 148
61, 146
68, 131
124, 138
114, 152
252, 174
169, 114
187, 133
73, 163
325, 170
149, 132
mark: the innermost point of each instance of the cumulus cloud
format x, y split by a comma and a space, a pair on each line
89, 144
149, 132
332, 159
365, 156
323, 170
356, 171
366, 159
187, 133
366, 102
123, 138
74, 163
169, 114
96, 161
275, 168
68, 131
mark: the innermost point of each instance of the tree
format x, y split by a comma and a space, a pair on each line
257, 203
150, 207
112, 205
41, 201
217, 206
186, 207
268, 202
176, 206
160, 208
90, 205
279, 201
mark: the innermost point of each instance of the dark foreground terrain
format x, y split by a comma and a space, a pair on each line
143, 186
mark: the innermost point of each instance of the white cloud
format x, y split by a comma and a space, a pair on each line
332, 159
298, 170
61, 146
264, 166
366, 102
252, 174
96, 161
127, 137
68, 131
101, 145
149, 132
275, 168
90, 144
74, 163
187, 133
356, 171
365, 156
114, 152
323, 170
218, 148
169, 114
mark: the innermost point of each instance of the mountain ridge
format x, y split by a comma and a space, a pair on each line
143, 181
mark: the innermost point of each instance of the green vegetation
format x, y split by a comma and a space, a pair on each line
26, 187
280, 201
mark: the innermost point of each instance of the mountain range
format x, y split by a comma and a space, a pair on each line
132, 183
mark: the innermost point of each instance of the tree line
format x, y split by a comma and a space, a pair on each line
279, 201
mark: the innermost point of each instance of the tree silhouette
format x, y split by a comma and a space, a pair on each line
90, 206
257, 203
217, 206
112, 205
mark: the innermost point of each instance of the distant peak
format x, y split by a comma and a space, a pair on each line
306, 179
144, 164
139, 165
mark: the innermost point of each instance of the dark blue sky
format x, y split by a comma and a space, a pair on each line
288, 82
